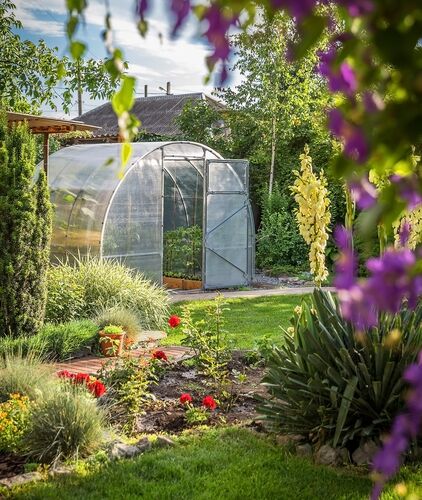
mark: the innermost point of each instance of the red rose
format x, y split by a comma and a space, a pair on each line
65, 374
209, 402
185, 398
97, 388
82, 378
174, 321
160, 355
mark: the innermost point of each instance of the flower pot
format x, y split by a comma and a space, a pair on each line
111, 344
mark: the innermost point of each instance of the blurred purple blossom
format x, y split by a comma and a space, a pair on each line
357, 7
141, 8
408, 189
405, 428
364, 193
297, 8
341, 79
355, 143
181, 9
346, 264
404, 232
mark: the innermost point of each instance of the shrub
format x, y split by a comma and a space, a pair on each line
13, 422
63, 341
105, 284
25, 228
65, 423
126, 318
26, 375
333, 384
54, 341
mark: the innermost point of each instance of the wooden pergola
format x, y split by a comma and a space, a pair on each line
46, 126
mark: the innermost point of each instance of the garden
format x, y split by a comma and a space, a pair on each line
113, 387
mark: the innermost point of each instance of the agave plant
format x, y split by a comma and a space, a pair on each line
335, 384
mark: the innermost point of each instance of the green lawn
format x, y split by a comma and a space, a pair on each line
247, 320
221, 464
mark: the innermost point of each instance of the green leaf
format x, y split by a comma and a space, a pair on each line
344, 408
77, 49
123, 100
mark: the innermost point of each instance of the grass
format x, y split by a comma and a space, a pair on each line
220, 464
247, 320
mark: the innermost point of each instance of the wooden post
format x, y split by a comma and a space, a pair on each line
46, 152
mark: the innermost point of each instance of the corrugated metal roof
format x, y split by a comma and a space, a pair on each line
156, 113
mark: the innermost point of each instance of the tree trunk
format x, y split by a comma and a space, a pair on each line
273, 143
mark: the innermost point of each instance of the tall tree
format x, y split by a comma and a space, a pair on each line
30, 73
277, 95
25, 226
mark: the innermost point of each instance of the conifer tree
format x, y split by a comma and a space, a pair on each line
25, 228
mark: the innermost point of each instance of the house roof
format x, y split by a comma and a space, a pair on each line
46, 125
156, 113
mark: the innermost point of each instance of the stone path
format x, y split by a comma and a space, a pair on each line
179, 296
92, 364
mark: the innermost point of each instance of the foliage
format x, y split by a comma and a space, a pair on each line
30, 72
24, 374
128, 380
208, 339
13, 422
335, 384
65, 423
112, 329
313, 214
126, 318
64, 340
25, 227
55, 341
182, 251
206, 464
196, 416
261, 351
278, 239
96, 284
203, 122
250, 319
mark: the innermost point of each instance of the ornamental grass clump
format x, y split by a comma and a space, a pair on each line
24, 374
66, 423
336, 384
92, 285
313, 214
126, 318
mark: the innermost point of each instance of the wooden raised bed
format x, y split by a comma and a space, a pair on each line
182, 283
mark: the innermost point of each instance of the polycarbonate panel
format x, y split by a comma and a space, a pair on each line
227, 240
133, 225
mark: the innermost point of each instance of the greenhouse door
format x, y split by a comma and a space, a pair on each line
226, 230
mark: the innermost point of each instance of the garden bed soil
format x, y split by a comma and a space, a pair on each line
11, 464
166, 414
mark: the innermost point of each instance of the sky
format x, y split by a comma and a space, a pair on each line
154, 60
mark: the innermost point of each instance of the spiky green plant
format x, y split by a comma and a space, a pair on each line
122, 316
334, 384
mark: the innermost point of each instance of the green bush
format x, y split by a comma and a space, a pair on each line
65, 423
334, 385
24, 374
278, 241
14, 423
54, 341
126, 318
64, 340
102, 284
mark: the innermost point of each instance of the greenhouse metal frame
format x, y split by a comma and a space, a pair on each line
100, 211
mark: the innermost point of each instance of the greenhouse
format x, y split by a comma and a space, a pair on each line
146, 216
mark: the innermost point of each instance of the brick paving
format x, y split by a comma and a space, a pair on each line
92, 364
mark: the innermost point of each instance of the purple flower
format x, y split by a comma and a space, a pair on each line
363, 192
297, 8
355, 143
219, 23
405, 428
346, 264
409, 189
341, 79
141, 8
181, 9
357, 7
404, 233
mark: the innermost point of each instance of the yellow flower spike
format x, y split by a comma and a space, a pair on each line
400, 489
393, 338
